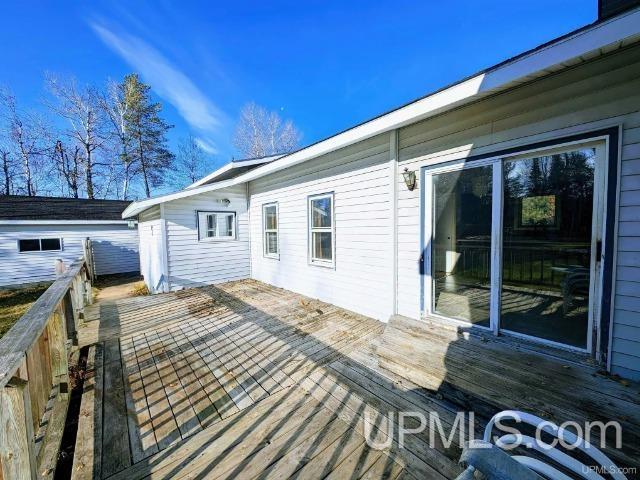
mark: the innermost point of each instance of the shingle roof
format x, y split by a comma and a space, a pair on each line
17, 207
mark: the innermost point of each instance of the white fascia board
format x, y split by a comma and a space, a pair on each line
231, 166
500, 78
64, 222
138, 207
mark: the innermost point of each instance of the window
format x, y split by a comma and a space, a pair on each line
39, 245
216, 226
321, 230
270, 226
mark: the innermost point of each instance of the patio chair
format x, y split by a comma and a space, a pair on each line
574, 284
494, 463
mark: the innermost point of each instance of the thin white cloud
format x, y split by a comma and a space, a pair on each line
165, 79
208, 147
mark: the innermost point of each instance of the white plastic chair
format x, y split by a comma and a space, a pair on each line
559, 457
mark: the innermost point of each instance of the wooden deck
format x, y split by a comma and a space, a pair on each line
244, 380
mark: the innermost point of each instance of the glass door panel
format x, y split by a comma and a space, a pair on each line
461, 244
546, 246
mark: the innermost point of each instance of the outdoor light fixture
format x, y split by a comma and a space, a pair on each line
131, 223
409, 178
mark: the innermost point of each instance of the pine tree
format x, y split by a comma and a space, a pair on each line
536, 178
148, 133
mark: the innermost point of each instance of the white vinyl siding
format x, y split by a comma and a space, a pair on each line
358, 176
115, 250
192, 262
270, 230
603, 94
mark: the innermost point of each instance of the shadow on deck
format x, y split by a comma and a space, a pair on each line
245, 380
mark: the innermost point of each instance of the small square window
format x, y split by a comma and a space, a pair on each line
217, 225
30, 245
50, 243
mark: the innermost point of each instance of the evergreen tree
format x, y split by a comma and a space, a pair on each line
536, 178
148, 133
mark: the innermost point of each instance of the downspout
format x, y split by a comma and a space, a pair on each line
393, 195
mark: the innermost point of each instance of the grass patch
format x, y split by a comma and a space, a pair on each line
15, 303
139, 290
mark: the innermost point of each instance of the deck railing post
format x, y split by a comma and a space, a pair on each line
67, 309
17, 449
86, 279
58, 352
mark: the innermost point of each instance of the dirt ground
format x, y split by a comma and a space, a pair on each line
114, 287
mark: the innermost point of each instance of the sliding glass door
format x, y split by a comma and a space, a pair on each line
547, 233
513, 244
461, 249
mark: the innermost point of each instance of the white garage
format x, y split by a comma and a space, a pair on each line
36, 231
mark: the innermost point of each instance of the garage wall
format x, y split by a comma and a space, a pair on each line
115, 250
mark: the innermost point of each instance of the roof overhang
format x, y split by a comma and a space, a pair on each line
565, 52
234, 165
138, 207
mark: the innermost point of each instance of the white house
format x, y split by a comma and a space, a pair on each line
35, 231
508, 202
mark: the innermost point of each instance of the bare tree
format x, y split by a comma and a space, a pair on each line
26, 136
69, 165
260, 133
7, 171
80, 106
191, 161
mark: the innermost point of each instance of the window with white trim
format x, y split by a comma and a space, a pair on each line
39, 245
321, 230
216, 226
270, 228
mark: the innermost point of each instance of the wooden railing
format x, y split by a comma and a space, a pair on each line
525, 263
34, 375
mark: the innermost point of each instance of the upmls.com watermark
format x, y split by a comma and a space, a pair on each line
464, 428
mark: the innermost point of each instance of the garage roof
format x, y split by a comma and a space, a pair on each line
18, 207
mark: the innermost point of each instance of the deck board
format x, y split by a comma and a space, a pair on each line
245, 380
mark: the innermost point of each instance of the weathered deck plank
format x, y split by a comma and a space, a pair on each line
245, 380
116, 455
87, 460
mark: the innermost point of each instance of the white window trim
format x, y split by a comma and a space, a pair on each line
310, 230
202, 228
40, 241
266, 230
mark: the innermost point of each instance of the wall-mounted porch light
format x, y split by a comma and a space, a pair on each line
131, 223
409, 178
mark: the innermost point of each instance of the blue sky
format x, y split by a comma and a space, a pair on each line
324, 65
